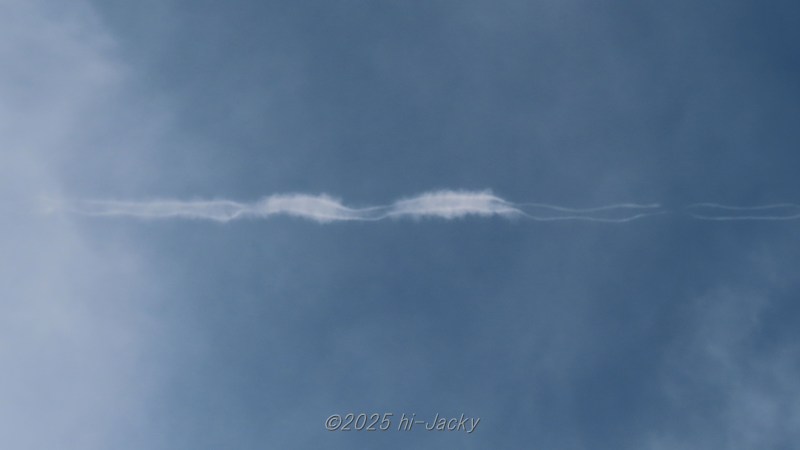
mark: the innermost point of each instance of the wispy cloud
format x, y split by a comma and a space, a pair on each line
715, 211
453, 205
444, 204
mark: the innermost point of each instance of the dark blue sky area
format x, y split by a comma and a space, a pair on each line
660, 334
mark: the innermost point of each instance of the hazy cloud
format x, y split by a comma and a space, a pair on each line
445, 204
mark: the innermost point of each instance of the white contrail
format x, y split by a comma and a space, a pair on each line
445, 204
217, 210
595, 219
727, 218
452, 205
743, 208
748, 212
591, 214
318, 208
321, 208
595, 209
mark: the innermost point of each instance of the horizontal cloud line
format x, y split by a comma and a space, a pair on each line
443, 204
733, 218
716, 211
744, 208
595, 219
595, 209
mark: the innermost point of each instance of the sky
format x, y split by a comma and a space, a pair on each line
223, 223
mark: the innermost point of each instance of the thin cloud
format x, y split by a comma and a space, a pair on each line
319, 208
444, 204
453, 205
715, 211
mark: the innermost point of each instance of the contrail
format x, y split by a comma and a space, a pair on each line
596, 209
715, 211
595, 219
217, 210
452, 205
445, 204
320, 208
639, 211
743, 208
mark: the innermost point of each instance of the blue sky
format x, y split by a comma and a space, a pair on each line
128, 323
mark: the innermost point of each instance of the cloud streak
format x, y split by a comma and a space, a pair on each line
444, 204
715, 211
